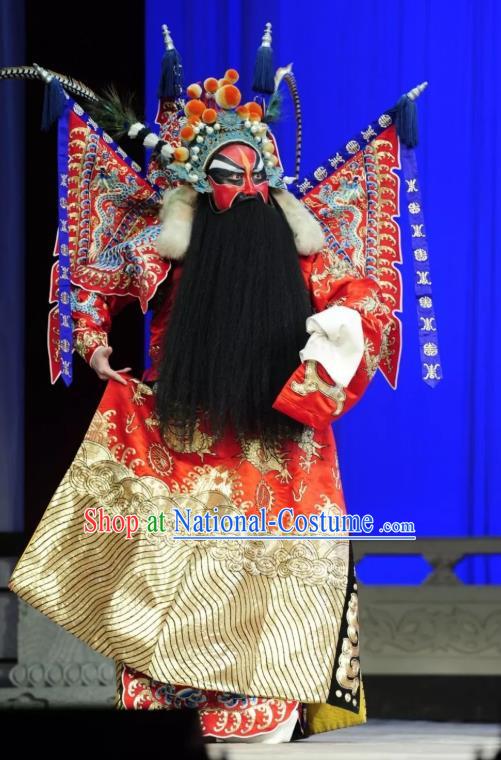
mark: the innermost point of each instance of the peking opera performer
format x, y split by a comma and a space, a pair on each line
272, 309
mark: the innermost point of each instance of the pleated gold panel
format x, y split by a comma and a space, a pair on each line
248, 616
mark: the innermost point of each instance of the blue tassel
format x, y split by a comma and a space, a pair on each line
264, 72
54, 103
171, 84
406, 121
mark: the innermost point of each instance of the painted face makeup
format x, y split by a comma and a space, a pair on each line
236, 173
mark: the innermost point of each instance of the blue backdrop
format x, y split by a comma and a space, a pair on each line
421, 454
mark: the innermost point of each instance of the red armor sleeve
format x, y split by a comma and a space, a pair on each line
310, 395
92, 314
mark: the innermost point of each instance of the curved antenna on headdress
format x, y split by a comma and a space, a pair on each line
113, 113
284, 74
263, 69
171, 78
72, 86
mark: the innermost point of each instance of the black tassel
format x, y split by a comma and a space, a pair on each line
263, 70
406, 121
171, 84
54, 103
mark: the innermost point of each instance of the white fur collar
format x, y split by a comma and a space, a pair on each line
308, 234
176, 215
178, 208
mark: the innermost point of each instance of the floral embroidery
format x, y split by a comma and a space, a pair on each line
222, 714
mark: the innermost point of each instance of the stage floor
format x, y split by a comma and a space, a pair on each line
379, 740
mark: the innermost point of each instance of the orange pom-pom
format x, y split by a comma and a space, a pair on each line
228, 96
255, 111
211, 84
232, 75
181, 154
254, 107
194, 90
243, 112
194, 108
188, 133
209, 116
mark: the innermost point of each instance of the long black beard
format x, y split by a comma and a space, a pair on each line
237, 326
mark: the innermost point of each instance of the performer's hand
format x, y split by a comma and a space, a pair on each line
100, 364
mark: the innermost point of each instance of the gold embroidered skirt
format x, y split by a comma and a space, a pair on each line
269, 618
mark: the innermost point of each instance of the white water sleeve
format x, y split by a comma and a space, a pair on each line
336, 341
